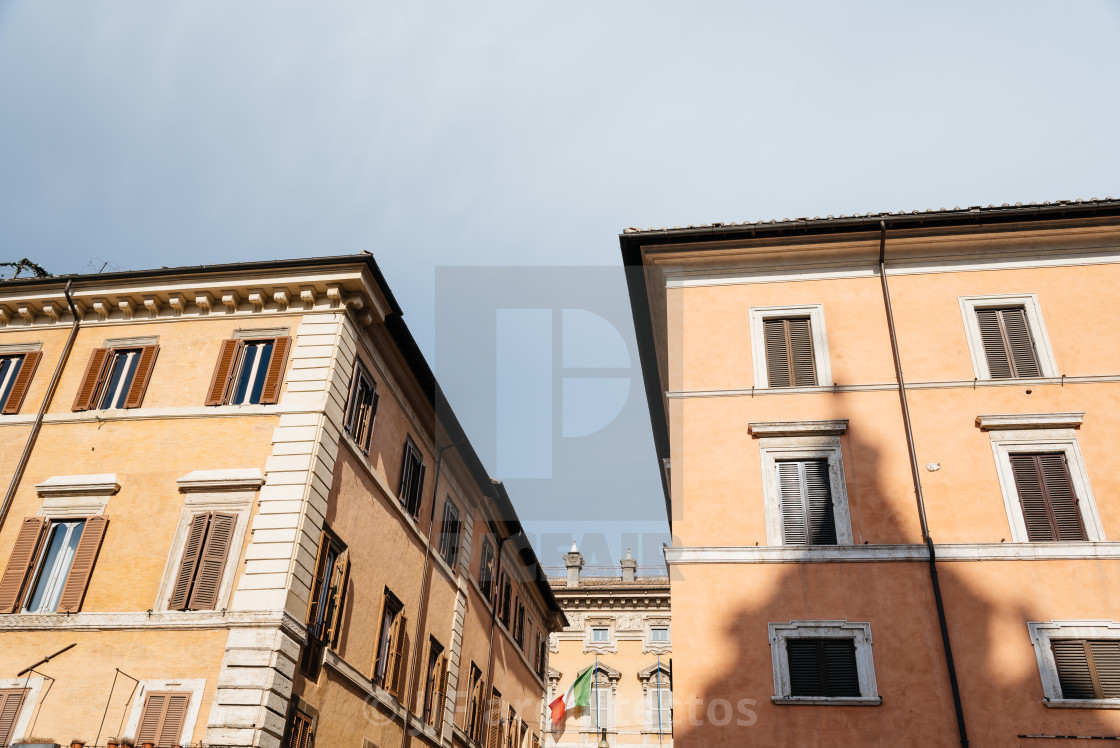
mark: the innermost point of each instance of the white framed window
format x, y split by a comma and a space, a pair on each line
1014, 437
18, 699
832, 663
658, 699
803, 486
1002, 340
600, 634
604, 687
659, 634
1078, 662
788, 343
142, 706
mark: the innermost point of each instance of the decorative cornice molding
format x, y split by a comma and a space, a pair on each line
798, 428
893, 552
176, 620
1009, 421
101, 484
243, 479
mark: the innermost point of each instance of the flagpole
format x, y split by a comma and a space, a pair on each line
659, 698
595, 685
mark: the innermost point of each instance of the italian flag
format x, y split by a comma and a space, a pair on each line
579, 694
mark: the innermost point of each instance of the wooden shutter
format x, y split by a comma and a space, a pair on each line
340, 577
91, 380
1050, 507
494, 723
299, 733
180, 594
11, 700
23, 381
789, 352
212, 561
319, 583
223, 372
1008, 346
441, 691
141, 376
1088, 669
163, 718
398, 661
270, 393
806, 502
82, 567
822, 667
23, 556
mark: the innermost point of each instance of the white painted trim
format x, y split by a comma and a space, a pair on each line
887, 387
10, 349
815, 312
1042, 633
236, 479
155, 621
859, 632
103, 484
798, 428
1029, 301
243, 333
1030, 421
133, 342
34, 687
893, 552
803, 448
1006, 443
194, 686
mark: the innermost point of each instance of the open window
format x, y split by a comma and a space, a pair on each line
51, 564
249, 370
117, 375
328, 596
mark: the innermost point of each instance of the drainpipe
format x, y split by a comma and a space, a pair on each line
945, 643
17, 476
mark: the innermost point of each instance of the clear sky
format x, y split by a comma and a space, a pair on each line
453, 139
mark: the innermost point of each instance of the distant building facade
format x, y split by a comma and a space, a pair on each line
234, 490
889, 446
619, 619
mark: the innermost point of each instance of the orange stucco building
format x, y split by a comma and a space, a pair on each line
239, 513
889, 455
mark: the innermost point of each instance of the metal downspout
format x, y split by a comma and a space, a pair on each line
17, 476
945, 643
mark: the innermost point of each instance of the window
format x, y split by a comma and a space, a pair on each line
249, 371
1079, 662
505, 593
15, 377
362, 408
494, 720
598, 715
806, 499
203, 563
1046, 494
823, 662
300, 732
541, 654
11, 702
116, 377
328, 595
474, 704
486, 569
412, 478
659, 634
660, 707
511, 728
789, 347
449, 535
600, 634
392, 646
163, 718
519, 624
435, 685
51, 564
1006, 337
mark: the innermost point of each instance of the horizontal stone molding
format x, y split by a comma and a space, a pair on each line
1030, 421
101, 484
236, 479
314, 407
892, 387
154, 621
798, 428
893, 552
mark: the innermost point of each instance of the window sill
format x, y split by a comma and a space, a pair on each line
828, 700
1082, 703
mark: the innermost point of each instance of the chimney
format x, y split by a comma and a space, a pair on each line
573, 559
629, 567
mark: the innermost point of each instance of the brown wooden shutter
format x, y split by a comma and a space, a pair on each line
91, 380
82, 567
212, 561
141, 376
151, 718
822, 667
270, 393
19, 563
399, 661
494, 723
299, 734
806, 503
163, 717
11, 700
441, 692
340, 577
318, 583
1008, 346
23, 381
223, 372
1074, 675
789, 352
180, 594
1050, 507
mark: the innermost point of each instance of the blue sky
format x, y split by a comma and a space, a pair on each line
441, 135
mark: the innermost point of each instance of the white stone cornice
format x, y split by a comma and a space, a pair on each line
178, 303
307, 296
281, 299
126, 308
1008, 421
27, 311
256, 299
5, 316
798, 428
777, 554
204, 302
230, 300
79, 485
244, 479
51, 310
143, 620
152, 304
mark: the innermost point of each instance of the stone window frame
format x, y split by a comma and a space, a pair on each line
815, 313
194, 686
646, 676
76, 496
1016, 434
613, 676
1047, 366
648, 644
610, 646
1042, 632
30, 704
859, 632
230, 491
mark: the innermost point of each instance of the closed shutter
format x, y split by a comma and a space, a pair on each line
19, 563
180, 594
11, 700
223, 372
23, 381
494, 723
82, 567
806, 503
318, 584
140, 378
270, 393
441, 691
1008, 346
398, 661
212, 561
789, 352
822, 667
299, 733
163, 718
340, 577
1088, 669
1050, 507
91, 380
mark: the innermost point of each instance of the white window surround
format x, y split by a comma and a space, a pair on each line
602, 647
76, 495
1042, 633
8, 349
263, 332
134, 342
230, 491
34, 688
815, 313
194, 686
808, 447
1029, 301
860, 633
1014, 441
